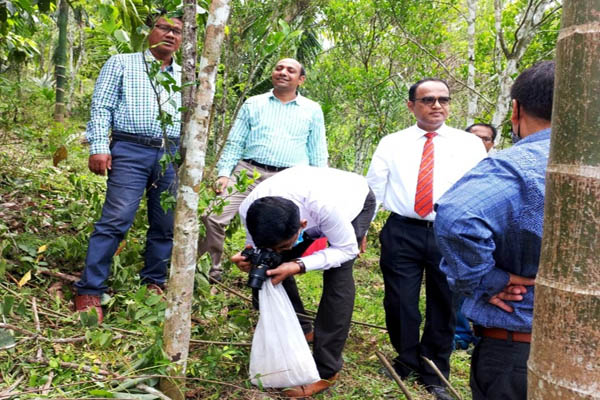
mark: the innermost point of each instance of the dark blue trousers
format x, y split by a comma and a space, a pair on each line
135, 170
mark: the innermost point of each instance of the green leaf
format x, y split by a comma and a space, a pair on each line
121, 36
101, 393
6, 339
7, 305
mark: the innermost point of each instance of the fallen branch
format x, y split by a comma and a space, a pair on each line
152, 391
442, 377
309, 317
46, 387
76, 366
392, 371
56, 274
198, 341
38, 330
33, 335
8, 392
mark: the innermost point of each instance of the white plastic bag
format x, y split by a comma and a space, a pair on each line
280, 356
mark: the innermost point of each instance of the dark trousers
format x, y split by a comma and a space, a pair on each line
499, 370
135, 170
334, 314
407, 250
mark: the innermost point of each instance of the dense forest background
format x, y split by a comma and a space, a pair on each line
361, 57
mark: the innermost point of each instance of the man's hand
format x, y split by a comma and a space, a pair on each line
241, 261
363, 246
99, 163
221, 184
283, 271
514, 291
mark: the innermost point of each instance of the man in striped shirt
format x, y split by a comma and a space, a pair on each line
125, 103
273, 131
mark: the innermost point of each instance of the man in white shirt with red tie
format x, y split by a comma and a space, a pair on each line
409, 171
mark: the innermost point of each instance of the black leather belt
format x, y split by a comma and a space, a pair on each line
158, 143
414, 221
264, 166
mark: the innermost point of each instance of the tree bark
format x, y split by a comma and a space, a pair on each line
60, 60
526, 30
472, 104
565, 353
193, 143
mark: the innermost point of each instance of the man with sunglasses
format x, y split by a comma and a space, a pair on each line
410, 170
125, 103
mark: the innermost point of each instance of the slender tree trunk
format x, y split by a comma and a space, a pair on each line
194, 141
74, 70
472, 105
513, 52
565, 353
60, 60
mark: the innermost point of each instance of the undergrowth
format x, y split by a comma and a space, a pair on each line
46, 217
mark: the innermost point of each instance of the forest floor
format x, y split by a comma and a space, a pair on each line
46, 216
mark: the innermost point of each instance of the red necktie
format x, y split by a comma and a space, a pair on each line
424, 195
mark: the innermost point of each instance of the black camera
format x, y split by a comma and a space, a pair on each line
261, 260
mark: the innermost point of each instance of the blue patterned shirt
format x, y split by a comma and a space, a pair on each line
272, 133
490, 223
125, 101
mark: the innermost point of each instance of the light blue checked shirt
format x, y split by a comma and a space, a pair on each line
272, 133
124, 101
489, 224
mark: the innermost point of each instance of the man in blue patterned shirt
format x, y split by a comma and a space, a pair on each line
125, 103
489, 230
273, 131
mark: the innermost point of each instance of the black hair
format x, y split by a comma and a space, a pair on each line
413, 89
494, 131
152, 17
272, 220
534, 89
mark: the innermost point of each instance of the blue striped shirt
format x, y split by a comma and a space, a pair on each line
272, 133
489, 224
125, 101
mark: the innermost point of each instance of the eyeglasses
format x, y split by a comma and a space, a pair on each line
167, 29
430, 100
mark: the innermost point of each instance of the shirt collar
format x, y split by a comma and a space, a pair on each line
174, 67
544, 134
298, 100
441, 131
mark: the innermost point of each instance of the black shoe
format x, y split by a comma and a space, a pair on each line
216, 274
439, 392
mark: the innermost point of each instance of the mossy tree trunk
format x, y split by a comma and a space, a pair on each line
60, 60
565, 353
193, 147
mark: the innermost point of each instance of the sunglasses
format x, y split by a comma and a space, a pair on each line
430, 100
167, 29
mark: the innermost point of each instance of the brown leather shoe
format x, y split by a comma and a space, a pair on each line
85, 302
156, 289
303, 391
310, 337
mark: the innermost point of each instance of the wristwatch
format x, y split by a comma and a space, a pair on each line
301, 265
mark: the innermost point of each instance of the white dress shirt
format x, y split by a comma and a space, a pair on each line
328, 199
395, 166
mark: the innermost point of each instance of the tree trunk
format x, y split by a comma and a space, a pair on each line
565, 353
472, 104
60, 59
526, 30
194, 141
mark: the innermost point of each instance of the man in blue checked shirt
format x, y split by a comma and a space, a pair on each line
273, 131
125, 104
489, 230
